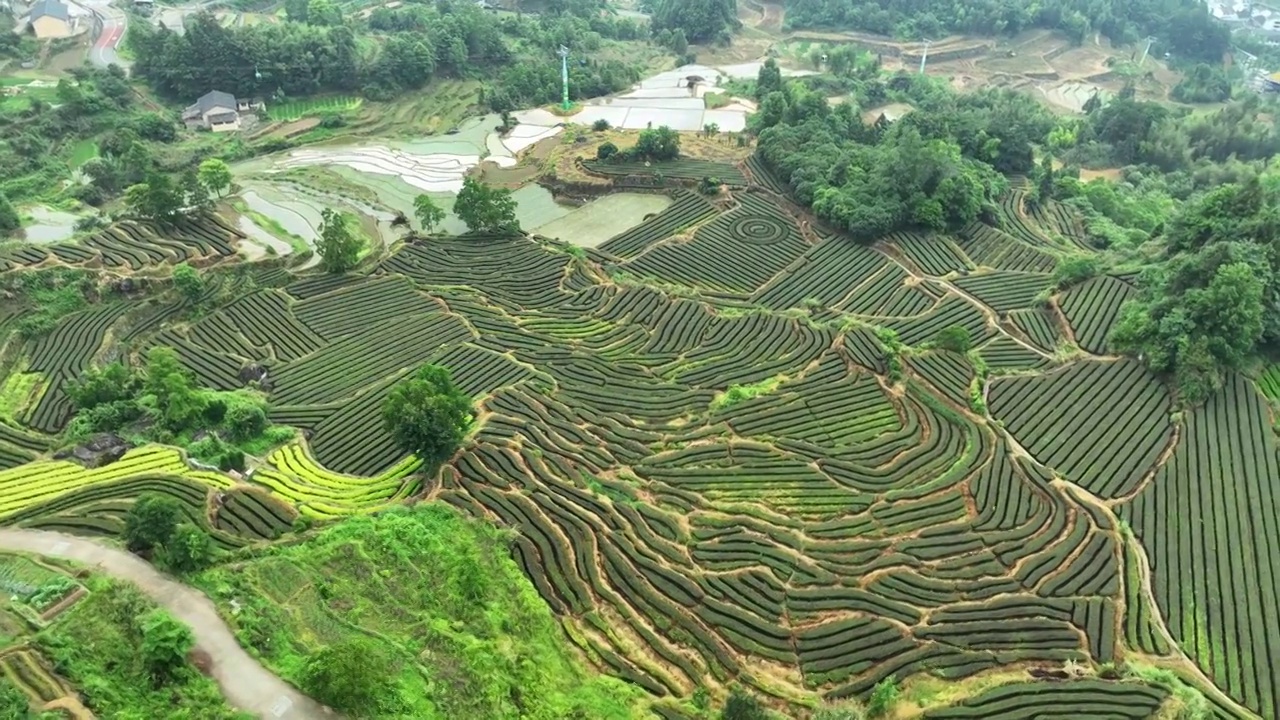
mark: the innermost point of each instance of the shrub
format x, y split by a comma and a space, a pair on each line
151, 521
606, 151
883, 697
188, 550
954, 338
600, 125
165, 644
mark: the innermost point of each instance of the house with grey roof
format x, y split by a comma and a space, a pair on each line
50, 19
218, 111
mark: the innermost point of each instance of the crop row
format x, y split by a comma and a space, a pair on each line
1061, 219
687, 211
1003, 497
826, 273
760, 245
1038, 325
829, 408
1069, 700
384, 348
253, 514
264, 319
1102, 424
1092, 309
933, 254
485, 264
323, 494
1014, 221
349, 309
989, 247
29, 673
681, 168
951, 311
1005, 291
1005, 353
135, 245
46, 479
1206, 521
949, 372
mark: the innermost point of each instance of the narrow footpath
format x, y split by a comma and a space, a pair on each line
245, 683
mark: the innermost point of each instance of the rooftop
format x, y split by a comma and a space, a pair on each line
49, 8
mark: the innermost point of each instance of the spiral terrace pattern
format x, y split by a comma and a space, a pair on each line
830, 531
759, 230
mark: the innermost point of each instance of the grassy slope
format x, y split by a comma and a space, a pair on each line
96, 646
476, 639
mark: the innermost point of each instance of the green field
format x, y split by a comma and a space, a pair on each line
298, 109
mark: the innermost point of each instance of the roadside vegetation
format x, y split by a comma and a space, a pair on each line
414, 612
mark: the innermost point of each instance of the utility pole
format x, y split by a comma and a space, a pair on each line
1150, 39
924, 57
564, 76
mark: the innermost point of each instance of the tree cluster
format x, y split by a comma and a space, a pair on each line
155, 526
319, 50
1210, 305
1203, 84
340, 242
90, 104
162, 402
699, 20
1183, 27
933, 169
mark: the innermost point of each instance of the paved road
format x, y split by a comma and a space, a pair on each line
246, 684
113, 23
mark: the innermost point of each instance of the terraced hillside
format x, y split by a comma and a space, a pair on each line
861, 506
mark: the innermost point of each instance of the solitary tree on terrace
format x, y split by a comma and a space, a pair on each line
429, 213
428, 415
486, 209
215, 176
339, 245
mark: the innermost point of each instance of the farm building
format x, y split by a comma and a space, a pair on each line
51, 19
218, 111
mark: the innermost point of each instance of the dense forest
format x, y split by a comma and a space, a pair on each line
1182, 27
316, 51
936, 168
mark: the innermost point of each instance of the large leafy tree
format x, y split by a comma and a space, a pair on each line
1212, 303
151, 521
485, 208
215, 176
156, 199
428, 415
429, 214
340, 243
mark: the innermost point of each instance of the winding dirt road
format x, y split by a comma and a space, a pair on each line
245, 683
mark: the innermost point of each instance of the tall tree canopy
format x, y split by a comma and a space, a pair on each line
933, 169
700, 20
1214, 302
428, 415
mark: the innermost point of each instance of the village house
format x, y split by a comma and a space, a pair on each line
51, 19
218, 111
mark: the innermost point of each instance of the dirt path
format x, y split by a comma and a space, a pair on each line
246, 684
